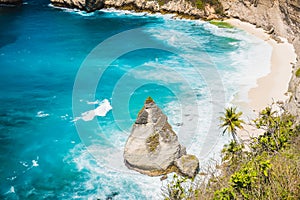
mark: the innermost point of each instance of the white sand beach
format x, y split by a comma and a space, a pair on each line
274, 86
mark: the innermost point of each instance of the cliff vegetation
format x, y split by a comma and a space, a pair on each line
269, 168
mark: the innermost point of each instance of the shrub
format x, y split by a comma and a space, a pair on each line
270, 170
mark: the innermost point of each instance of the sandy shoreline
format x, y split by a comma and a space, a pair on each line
273, 86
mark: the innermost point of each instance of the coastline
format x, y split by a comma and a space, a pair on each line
273, 86
270, 88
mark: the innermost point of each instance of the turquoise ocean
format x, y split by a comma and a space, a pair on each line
60, 139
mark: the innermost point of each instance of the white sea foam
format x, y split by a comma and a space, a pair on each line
66, 117
11, 178
124, 12
72, 10
242, 71
12, 189
127, 184
42, 114
35, 162
93, 102
103, 108
24, 163
140, 14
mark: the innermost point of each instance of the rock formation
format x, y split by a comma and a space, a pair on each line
153, 148
86, 5
11, 2
179, 7
183, 8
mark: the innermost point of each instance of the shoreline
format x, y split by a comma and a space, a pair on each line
273, 86
270, 88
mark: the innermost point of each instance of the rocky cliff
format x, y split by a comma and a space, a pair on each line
185, 8
180, 7
10, 2
153, 147
279, 18
86, 5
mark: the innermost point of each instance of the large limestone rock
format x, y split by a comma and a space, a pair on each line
86, 5
152, 147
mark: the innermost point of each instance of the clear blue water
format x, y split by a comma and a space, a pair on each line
45, 154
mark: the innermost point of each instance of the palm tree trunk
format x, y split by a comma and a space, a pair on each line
235, 137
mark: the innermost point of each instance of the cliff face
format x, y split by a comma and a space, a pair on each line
10, 2
86, 5
180, 7
280, 18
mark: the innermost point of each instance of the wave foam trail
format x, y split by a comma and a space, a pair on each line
41, 114
103, 108
73, 10
102, 181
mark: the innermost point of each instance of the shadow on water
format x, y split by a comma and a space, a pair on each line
8, 16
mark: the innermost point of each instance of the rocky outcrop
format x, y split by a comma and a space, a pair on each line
180, 7
10, 2
86, 5
279, 18
153, 148
183, 8
188, 165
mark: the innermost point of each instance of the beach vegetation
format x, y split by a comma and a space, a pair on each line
267, 169
231, 121
221, 24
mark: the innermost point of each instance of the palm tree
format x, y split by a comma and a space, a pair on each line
231, 121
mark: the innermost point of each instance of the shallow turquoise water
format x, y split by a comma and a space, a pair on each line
45, 154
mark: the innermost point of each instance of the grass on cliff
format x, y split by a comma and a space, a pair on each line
270, 170
200, 4
152, 142
221, 24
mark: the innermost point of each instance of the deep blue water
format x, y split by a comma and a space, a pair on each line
192, 70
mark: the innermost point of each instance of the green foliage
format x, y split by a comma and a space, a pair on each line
232, 153
224, 194
200, 4
176, 189
243, 178
231, 121
149, 100
152, 142
297, 73
162, 2
264, 167
278, 129
269, 170
221, 24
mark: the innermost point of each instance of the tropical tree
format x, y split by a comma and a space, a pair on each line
231, 121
